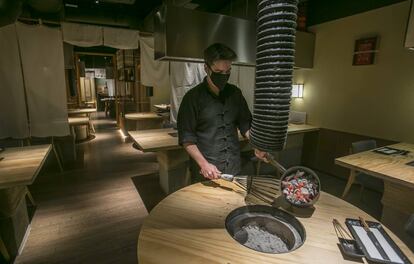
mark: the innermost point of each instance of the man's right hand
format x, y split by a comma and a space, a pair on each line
210, 171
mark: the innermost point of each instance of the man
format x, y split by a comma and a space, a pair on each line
209, 117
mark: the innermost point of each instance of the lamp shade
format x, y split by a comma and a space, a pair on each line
297, 90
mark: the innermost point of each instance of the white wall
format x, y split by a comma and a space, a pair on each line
375, 100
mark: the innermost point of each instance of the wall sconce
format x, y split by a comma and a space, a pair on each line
297, 90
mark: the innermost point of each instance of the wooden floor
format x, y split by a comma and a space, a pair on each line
93, 212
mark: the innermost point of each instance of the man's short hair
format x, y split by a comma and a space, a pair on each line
218, 51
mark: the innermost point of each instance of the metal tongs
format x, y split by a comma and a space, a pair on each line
271, 159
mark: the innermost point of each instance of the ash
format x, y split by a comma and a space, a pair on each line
261, 240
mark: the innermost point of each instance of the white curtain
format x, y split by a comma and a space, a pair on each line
153, 73
120, 38
13, 118
82, 35
43, 68
246, 83
234, 76
183, 76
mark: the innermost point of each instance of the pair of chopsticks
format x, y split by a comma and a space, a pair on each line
341, 232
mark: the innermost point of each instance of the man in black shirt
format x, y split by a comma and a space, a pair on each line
209, 117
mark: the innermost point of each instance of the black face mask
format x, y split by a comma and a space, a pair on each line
219, 79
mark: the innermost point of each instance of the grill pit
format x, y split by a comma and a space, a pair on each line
265, 229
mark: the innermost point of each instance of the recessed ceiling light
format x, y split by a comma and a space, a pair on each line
96, 1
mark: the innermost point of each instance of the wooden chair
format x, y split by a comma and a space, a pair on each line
363, 179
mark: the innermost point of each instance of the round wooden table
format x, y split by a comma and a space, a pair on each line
189, 227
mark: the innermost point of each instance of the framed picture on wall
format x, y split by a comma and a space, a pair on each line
364, 51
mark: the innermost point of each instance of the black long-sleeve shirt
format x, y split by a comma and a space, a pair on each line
211, 122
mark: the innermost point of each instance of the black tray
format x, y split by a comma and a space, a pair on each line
394, 253
390, 151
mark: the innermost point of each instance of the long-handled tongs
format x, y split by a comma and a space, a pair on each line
271, 159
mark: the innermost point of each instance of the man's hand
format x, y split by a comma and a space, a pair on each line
261, 155
210, 171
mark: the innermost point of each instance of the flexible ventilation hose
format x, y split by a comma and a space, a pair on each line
275, 58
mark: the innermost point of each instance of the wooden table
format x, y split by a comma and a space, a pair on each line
398, 197
74, 122
166, 139
145, 121
173, 159
107, 102
189, 227
81, 111
21, 165
84, 112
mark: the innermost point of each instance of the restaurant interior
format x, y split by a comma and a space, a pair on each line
92, 164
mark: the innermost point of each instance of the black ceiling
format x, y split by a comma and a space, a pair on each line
115, 13
105, 12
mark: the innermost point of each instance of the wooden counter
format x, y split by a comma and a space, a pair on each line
21, 165
189, 227
161, 139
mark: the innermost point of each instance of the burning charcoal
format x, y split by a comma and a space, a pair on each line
299, 188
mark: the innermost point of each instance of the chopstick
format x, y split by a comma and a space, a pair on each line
343, 233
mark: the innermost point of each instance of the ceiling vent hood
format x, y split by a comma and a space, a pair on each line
182, 34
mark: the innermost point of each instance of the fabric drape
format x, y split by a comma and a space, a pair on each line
13, 118
120, 38
153, 73
183, 76
82, 35
41, 50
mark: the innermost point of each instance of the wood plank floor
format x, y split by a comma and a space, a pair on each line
93, 212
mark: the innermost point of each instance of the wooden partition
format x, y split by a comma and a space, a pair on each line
322, 147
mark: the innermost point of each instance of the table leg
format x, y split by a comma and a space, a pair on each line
173, 169
91, 124
351, 180
72, 132
56, 155
398, 205
4, 251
